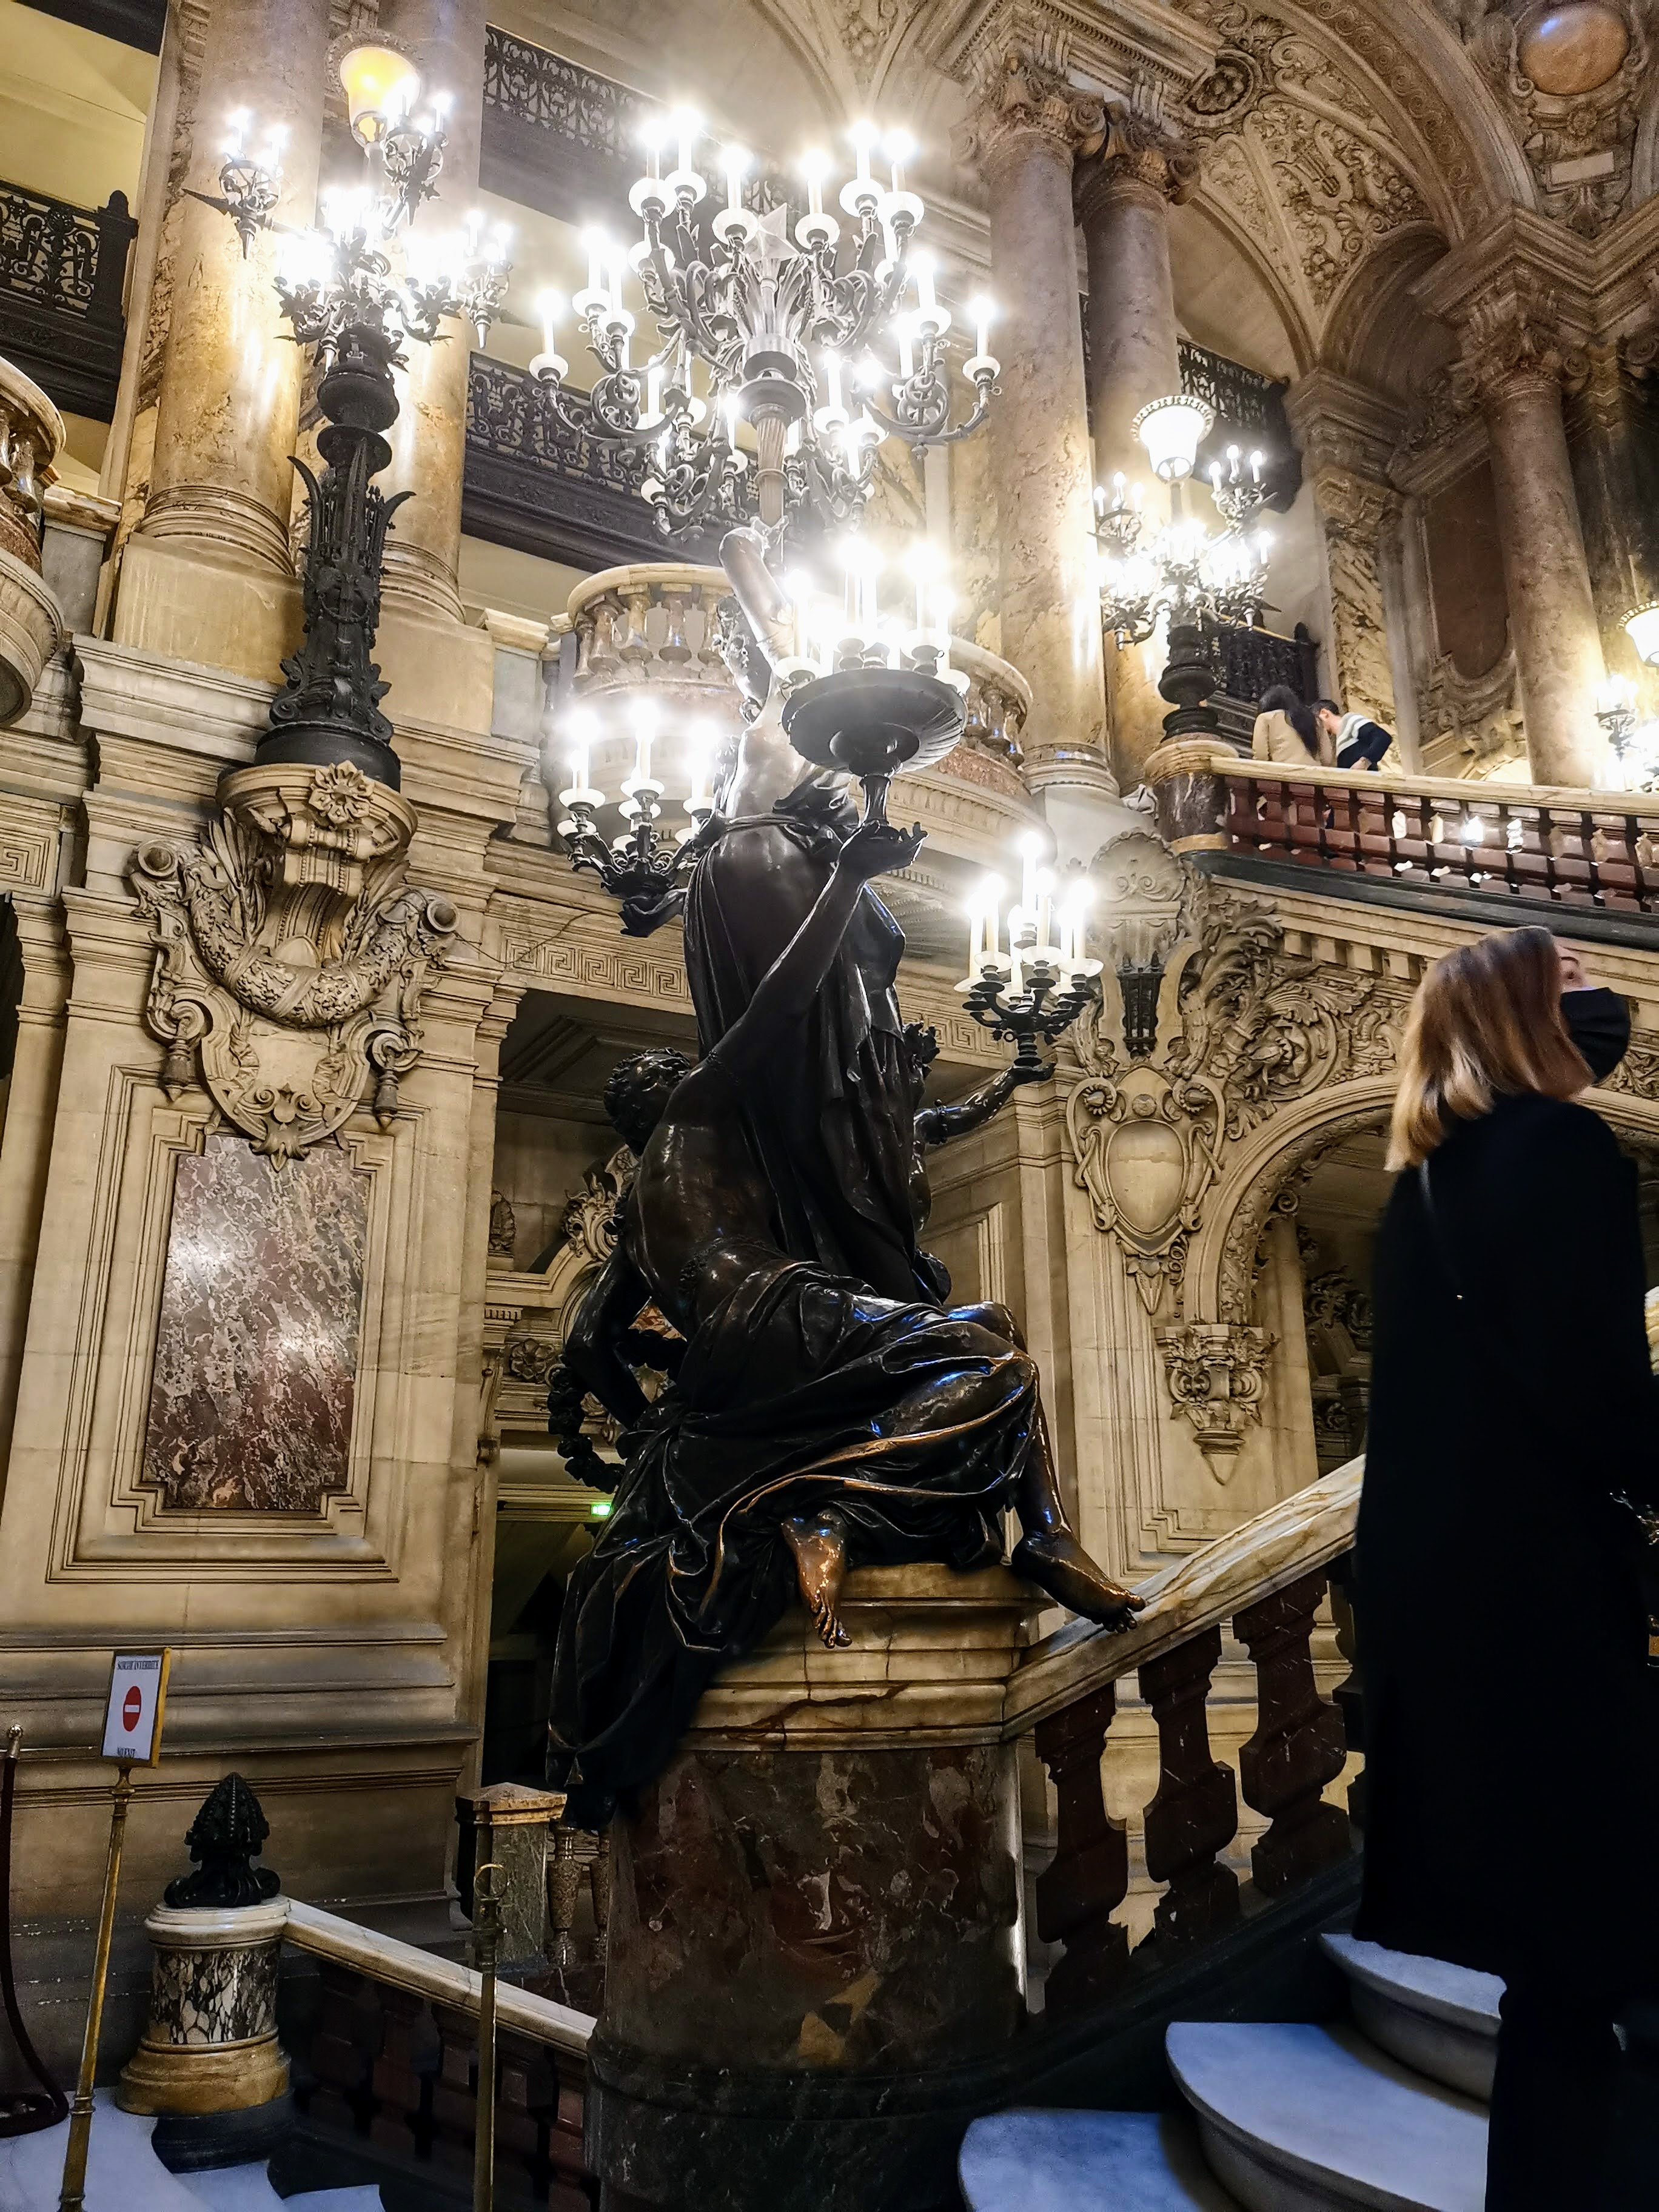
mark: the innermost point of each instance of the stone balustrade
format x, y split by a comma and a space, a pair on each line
31, 625
1532, 841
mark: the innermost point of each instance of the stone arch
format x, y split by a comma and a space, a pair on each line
1375, 333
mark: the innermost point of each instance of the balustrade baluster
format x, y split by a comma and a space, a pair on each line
709, 652
564, 1877
674, 648
399, 2090
454, 2091
636, 641
599, 1878
524, 2093
343, 2047
1088, 1878
1298, 1748
1194, 1816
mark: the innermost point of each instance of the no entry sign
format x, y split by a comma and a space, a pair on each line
137, 1698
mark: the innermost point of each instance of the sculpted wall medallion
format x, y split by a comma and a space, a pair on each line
291, 953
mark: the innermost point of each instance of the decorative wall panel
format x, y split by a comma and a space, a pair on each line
255, 1375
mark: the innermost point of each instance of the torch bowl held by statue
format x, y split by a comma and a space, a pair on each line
874, 722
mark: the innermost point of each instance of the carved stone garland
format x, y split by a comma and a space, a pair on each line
291, 953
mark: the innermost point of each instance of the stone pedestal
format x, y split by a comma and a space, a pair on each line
815, 1939
510, 1824
208, 2055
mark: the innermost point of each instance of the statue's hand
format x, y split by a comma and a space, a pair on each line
879, 848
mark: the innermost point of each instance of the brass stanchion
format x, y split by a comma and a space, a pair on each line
73, 2194
487, 1943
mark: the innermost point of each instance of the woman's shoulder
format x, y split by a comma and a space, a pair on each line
1526, 1128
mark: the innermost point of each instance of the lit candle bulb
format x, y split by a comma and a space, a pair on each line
735, 161
944, 605
551, 308
990, 893
595, 244
645, 731
907, 359
1031, 852
687, 128
813, 167
1044, 912
581, 730
652, 131
236, 125
983, 313
927, 301
700, 799
863, 136
1256, 467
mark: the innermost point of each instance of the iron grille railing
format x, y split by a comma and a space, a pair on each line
532, 483
1243, 398
63, 272
563, 138
1249, 661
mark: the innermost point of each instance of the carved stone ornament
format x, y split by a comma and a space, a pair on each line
1217, 1380
1021, 90
1513, 335
590, 1214
503, 1226
291, 953
1257, 1028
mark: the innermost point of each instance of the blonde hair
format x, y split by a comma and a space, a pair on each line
1487, 1022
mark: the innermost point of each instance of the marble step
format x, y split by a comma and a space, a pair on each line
124, 2175
1036, 2161
1299, 2118
1441, 2021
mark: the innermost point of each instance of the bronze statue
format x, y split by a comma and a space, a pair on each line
826, 1410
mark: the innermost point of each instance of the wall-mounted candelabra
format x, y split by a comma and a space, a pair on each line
640, 867
824, 344
1635, 743
1033, 990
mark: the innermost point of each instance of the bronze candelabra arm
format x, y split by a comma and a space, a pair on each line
1034, 1003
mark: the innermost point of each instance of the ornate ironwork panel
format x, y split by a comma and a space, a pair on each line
62, 269
530, 483
564, 139
1249, 660
1243, 398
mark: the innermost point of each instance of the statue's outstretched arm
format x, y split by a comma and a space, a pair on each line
938, 1125
789, 986
610, 1309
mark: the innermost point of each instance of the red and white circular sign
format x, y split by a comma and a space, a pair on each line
133, 1706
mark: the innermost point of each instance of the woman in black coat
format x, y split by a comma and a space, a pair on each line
1510, 1716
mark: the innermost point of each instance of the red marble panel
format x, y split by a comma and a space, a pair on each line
256, 1353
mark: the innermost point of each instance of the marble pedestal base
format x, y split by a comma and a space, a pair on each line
814, 1936
208, 2061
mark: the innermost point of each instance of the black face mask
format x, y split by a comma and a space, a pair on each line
1598, 1021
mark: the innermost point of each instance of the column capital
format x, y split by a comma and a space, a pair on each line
1022, 97
1341, 428
1513, 337
1146, 157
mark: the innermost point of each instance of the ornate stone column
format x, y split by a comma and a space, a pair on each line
1027, 128
1517, 350
1347, 435
1122, 197
429, 438
220, 487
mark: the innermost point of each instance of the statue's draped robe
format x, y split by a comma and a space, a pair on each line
802, 1391
830, 1376
833, 1132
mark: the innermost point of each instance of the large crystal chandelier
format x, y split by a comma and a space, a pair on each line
824, 343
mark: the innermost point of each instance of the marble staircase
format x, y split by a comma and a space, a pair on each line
1381, 2112
124, 2175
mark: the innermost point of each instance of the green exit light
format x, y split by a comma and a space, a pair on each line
600, 1509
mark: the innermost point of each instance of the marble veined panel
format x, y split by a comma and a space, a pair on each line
256, 1350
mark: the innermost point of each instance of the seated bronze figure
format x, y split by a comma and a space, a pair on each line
816, 1421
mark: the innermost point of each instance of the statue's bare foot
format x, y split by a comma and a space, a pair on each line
1055, 1561
819, 1544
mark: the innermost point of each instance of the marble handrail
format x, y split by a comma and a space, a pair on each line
384, 1959
1291, 1539
1463, 791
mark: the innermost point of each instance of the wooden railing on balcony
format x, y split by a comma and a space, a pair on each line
1577, 848
1269, 1579
62, 274
391, 2065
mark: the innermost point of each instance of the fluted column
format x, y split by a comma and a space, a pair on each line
1027, 127
428, 439
220, 486
1122, 197
1514, 362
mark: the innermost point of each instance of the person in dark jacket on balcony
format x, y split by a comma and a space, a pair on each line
1355, 740
1512, 1817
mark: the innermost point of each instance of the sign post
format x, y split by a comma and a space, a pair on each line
132, 1737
